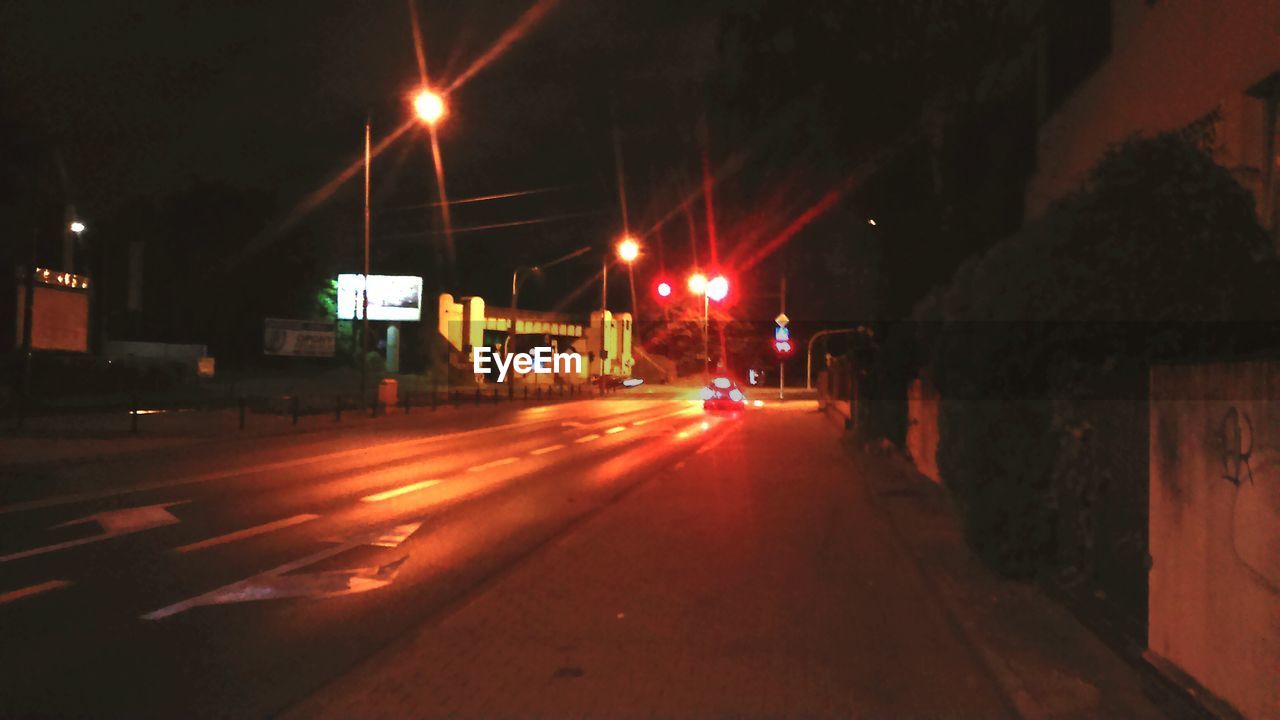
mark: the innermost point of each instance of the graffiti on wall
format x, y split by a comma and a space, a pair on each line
1236, 434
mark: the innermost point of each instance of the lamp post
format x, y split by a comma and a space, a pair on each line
628, 251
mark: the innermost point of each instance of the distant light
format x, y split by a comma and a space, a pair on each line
758, 403
706, 425
628, 249
697, 283
871, 221
429, 106
77, 227
664, 289
718, 288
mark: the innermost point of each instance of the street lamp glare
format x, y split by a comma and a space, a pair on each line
718, 288
628, 249
429, 106
697, 283
77, 227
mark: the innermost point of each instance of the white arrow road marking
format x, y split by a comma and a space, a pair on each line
494, 464
114, 524
277, 583
30, 590
397, 492
247, 533
547, 449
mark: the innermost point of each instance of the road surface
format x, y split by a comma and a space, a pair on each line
605, 557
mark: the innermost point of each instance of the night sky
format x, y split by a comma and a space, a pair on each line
145, 94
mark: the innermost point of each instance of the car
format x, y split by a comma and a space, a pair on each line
723, 393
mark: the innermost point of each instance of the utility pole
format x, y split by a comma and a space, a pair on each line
29, 296
782, 301
364, 289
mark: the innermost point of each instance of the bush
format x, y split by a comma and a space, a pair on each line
1150, 261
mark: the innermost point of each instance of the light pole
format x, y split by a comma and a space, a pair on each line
430, 108
515, 281
717, 288
628, 251
364, 286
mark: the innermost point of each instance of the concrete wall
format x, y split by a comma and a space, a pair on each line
1214, 586
922, 427
1172, 62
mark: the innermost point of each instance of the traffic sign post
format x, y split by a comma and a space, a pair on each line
782, 337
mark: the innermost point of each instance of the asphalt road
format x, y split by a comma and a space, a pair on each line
234, 578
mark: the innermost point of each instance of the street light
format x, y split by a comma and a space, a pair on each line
77, 227
429, 106
698, 284
628, 249
717, 288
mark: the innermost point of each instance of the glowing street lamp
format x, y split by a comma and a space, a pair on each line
628, 249
664, 289
77, 227
428, 106
698, 284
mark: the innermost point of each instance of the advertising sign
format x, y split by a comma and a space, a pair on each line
59, 318
391, 297
298, 338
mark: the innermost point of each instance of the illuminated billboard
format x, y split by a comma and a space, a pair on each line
60, 313
391, 297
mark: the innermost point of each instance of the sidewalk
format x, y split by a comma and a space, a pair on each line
757, 579
1050, 665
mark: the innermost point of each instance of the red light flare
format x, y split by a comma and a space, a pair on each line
319, 196
508, 37
708, 200
810, 214
445, 218
417, 43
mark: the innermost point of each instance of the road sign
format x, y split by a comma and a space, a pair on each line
781, 333
782, 319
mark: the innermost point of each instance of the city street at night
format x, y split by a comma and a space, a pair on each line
666, 360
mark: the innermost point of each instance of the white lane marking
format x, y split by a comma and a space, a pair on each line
233, 472
616, 429
30, 590
547, 449
646, 421
114, 523
571, 424
494, 464
247, 533
397, 492
277, 583
587, 438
